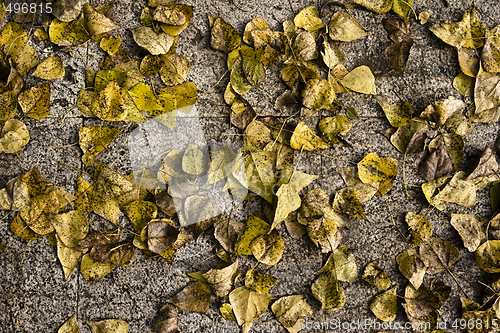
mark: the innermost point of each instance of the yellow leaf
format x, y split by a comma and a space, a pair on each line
304, 138
361, 80
345, 28
373, 169
50, 69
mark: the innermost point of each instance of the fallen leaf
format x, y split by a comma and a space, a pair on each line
154, 43
110, 44
260, 282
14, 137
345, 28
384, 306
342, 265
66, 10
377, 6
486, 166
248, 306
412, 266
488, 256
420, 226
327, 290
35, 101
166, 320
308, 19
195, 297
289, 309
68, 257
222, 280
175, 69
346, 201
373, 169
94, 140
471, 229
176, 30
439, 253
459, 190
397, 114
70, 326
67, 33
361, 80
435, 165
375, 276
420, 302
304, 138
331, 55
398, 54
95, 22
224, 37
108, 326
255, 228
402, 8
50, 69
268, 248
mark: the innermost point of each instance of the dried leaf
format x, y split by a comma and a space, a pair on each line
471, 229
373, 169
435, 165
68, 257
304, 138
108, 326
342, 265
268, 248
95, 22
420, 226
166, 321
420, 302
412, 266
490, 56
195, 297
374, 275
175, 69
110, 44
361, 80
224, 37
398, 54
248, 306
289, 309
459, 190
35, 102
50, 69
258, 281
70, 326
93, 270
308, 19
154, 43
402, 8
255, 228
384, 306
345, 28
440, 111
346, 201
327, 290
222, 280
14, 137
67, 33
454, 145
377, 6
397, 114
440, 254
488, 256
397, 29
175, 30
331, 55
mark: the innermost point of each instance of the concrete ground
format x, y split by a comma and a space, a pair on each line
34, 297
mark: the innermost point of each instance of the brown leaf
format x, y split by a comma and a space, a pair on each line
166, 321
436, 164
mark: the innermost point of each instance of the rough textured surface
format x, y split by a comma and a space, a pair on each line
34, 297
